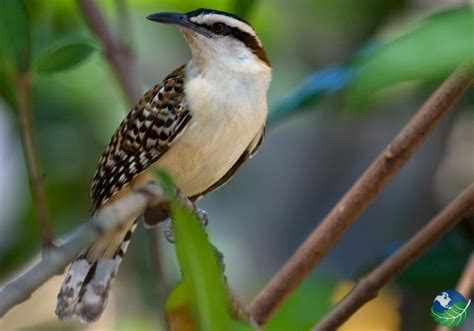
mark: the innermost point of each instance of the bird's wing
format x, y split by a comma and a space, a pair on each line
143, 136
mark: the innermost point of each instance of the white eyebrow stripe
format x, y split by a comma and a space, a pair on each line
230, 21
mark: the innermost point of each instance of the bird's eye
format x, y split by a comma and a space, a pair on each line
218, 28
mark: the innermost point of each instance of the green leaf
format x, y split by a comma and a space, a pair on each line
454, 316
166, 182
427, 53
201, 273
177, 298
240, 326
63, 57
178, 309
15, 45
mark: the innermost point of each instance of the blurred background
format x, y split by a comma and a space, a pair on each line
308, 160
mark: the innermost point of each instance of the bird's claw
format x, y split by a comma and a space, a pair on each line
202, 216
168, 224
168, 231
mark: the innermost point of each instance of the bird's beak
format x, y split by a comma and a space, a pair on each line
180, 20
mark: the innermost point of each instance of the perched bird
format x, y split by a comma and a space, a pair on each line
200, 124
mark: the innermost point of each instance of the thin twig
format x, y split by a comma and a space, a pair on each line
465, 284
369, 287
119, 57
359, 196
107, 220
32, 161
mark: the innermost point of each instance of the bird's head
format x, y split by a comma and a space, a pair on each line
219, 39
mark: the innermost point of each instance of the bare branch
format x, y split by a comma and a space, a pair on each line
107, 220
465, 285
369, 287
118, 55
32, 161
359, 196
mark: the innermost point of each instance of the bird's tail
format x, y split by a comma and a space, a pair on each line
86, 287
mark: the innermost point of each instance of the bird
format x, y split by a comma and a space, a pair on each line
200, 124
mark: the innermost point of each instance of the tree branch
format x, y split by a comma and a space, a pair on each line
359, 196
118, 55
369, 287
107, 220
465, 285
31, 157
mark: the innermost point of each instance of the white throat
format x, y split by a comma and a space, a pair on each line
228, 102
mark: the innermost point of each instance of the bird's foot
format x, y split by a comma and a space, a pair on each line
168, 224
203, 217
168, 231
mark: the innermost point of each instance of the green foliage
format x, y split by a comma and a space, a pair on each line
15, 42
15, 46
202, 282
15, 50
177, 298
7, 90
63, 56
442, 262
429, 52
166, 182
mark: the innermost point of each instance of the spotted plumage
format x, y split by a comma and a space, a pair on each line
142, 137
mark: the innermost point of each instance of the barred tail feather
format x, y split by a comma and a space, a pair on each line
86, 287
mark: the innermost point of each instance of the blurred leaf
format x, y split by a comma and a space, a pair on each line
15, 35
166, 182
315, 87
179, 315
429, 52
178, 311
177, 298
243, 8
7, 90
63, 56
307, 305
202, 278
240, 326
443, 263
